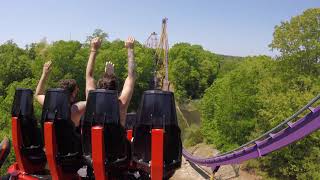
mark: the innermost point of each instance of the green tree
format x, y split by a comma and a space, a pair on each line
298, 41
229, 107
260, 93
280, 97
14, 64
192, 70
69, 61
97, 33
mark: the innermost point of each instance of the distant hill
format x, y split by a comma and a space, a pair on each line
228, 63
229, 57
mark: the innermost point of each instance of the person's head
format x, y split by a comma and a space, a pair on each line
71, 86
108, 81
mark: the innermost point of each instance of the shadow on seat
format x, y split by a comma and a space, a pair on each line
26, 134
130, 120
157, 111
66, 142
102, 111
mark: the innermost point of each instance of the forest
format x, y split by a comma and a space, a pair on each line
239, 98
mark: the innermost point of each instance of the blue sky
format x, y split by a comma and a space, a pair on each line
232, 27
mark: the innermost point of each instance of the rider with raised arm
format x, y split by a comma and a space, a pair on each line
77, 108
109, 80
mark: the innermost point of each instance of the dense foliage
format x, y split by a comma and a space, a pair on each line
192, 70
261, 92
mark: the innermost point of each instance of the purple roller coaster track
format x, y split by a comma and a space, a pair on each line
282, 135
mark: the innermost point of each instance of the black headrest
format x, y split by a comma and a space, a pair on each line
22, 103
102, 107
56, 105
130, 120
157, 109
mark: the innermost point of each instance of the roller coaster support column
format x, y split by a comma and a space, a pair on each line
98, 152
214, 171
157, 154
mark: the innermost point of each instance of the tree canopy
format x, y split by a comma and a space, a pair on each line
192, 70
261, 92
298, 41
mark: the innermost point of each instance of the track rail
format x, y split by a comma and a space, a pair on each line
280, 136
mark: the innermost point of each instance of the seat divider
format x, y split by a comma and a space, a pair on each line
157, 136
51, 150
98, 152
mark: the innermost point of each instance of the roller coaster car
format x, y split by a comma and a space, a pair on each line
103, 138
130, 122
156, 146
26, 135
62, 141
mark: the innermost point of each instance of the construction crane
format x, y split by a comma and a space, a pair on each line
161, 46
162, 52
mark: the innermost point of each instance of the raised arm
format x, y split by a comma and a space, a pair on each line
39, 94
90, 84
128, 86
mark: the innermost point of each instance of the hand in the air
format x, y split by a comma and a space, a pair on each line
109, 68
95, 44
47, 67
129, 42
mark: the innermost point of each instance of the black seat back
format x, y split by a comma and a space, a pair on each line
56, 109
157, 110
22, 108
103, 109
